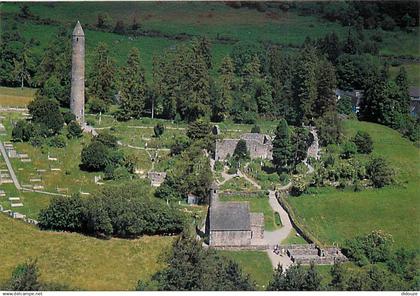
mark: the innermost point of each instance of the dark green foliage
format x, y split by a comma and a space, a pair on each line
241, 151
372, 248
47, 112
300, 142
295, 278
101, 79
345, 105
256, 129
192, 268
355, 71
57, 141
63, 213
243, 52
25, 278
22, 131
158, 129
379, 172
74, 130
190, 173
68, 116
349, 150
97, 106
198, 129
363, 142
329, 129
107, 139
126, 210
133, 86
95, 156
282, 149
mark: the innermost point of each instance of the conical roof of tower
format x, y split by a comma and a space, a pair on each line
78, 31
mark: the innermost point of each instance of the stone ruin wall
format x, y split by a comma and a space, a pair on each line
226, 147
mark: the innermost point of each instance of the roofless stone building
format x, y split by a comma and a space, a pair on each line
258, 145
77, 97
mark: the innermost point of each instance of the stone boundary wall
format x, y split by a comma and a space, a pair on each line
244, 193
242, 248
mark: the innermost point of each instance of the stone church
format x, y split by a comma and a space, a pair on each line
231, 224
258, 145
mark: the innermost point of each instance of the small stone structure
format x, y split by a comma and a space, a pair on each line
231, 225
258, 145
156, 178
305, 254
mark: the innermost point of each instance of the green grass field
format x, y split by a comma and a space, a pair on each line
255, 263
16, 97
79, 261
333, 216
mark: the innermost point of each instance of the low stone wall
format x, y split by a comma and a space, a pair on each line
242, 248
244, 193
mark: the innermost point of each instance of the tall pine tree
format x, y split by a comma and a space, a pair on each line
133, 86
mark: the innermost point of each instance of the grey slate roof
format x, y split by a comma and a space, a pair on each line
78, 31
414, 92
230, 216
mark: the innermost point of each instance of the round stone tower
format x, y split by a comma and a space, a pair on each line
77, 99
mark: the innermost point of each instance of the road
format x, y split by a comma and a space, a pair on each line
9, 167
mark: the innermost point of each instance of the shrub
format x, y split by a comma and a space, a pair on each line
57, 141
349, 149
22, 131
68, 117
97, 106
241, 151
277, 219
74, 130
47, 112
107, 139
256, 129
25, 278
218, 166
379, 172
95, 157
363, 142
158, 130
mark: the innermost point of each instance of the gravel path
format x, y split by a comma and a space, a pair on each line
9, 167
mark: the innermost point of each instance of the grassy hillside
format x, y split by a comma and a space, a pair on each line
333, 215
211, 19
16, 97
81, 262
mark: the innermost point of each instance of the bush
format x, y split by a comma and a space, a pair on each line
47, 112
363, 142
25, 278
349, 149
68, 117
158, 130
97, 106
95, 157
379, 172
126, 210
218, 166
74, 130
277, 219
107, 139
57, 141
22, 131
256, 129
241, 151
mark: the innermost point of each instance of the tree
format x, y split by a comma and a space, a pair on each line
299, 144
25, 277
74, 130
63, 213
296, 278
282, 146
22, 131
158, 130
47, 112
95, 156
198, 129
241, 151
225, 86
243, 52
326, 86
133, 86
331, 47
107, 139
338, 280
363, 142
119, 27
22, 67
101, 78
192, 268
379, 172
329, 129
